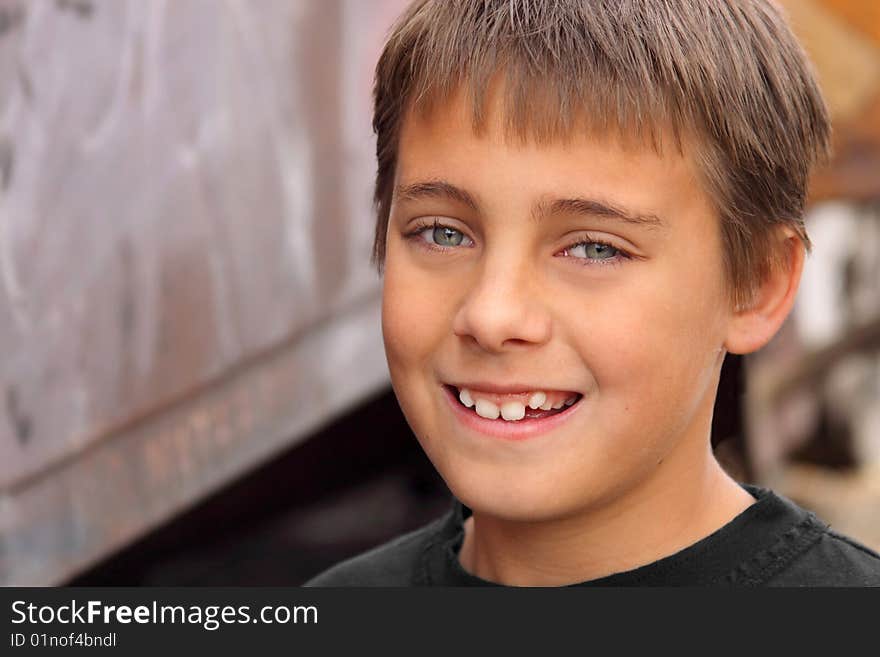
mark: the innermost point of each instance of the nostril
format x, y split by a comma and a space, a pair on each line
515, 342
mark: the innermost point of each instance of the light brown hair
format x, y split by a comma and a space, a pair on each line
727, 76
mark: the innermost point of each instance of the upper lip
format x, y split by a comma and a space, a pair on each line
507, 389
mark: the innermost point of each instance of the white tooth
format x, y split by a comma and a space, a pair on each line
537, 399
513, 410
546, 406
487, 409
465, 397
558, 405
569, 402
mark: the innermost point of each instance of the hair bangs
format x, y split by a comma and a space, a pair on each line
545, 88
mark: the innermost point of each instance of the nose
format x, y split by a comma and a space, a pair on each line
503, 309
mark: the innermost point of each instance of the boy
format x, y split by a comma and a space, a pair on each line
582, 207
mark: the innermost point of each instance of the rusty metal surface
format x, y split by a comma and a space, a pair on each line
184, 192
842, 38
89, 506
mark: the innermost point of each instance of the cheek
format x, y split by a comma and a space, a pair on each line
652, 346
413, 328
412, 322
399, 343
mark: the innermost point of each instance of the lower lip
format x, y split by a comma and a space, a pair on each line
509, 430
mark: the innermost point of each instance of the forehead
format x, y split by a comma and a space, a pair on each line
495, 162
525, 110
500, 114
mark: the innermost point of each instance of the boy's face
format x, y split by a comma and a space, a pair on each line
505, 299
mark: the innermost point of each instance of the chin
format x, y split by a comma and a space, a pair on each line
512, 496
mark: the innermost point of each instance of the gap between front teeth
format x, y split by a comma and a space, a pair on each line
510, 411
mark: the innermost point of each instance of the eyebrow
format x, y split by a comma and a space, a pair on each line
441, 189
596, 208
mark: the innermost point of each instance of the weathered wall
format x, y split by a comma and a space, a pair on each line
185, 227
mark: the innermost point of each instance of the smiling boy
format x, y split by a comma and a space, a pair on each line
582, 207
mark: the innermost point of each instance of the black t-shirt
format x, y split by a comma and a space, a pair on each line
771, 543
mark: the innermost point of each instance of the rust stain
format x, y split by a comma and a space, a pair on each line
80, 8
852, 172
10, 18
7, 162
862, 15
21, 422
847, 63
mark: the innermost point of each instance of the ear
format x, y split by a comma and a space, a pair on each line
751, 328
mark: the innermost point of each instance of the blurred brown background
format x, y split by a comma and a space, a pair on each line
812, 408
194, 387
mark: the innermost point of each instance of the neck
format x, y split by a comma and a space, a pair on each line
677, 507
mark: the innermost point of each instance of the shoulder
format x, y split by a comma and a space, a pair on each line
832, 560
396, 563
790, 546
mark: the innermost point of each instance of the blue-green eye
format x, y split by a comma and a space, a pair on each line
446, 236
437, 236
593, 251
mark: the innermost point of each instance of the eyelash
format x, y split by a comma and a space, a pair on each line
620, 255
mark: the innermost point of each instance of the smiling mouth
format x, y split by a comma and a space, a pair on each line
512, 412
